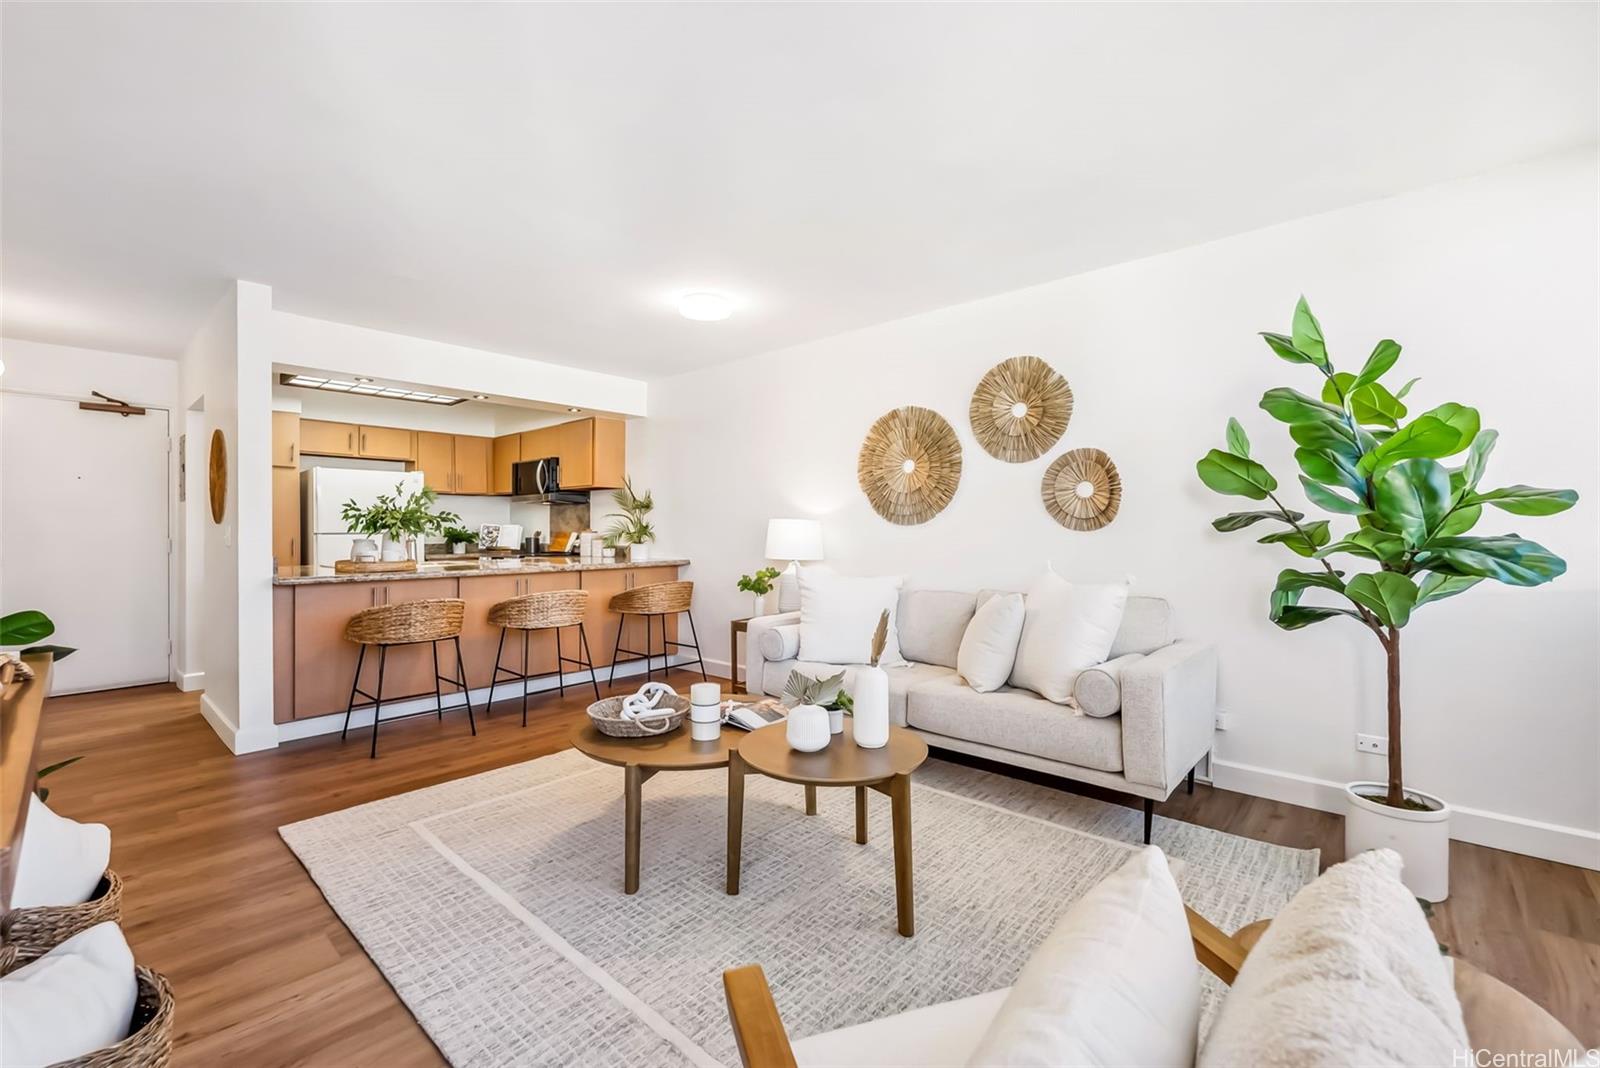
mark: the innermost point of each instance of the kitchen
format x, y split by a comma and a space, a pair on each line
518, 477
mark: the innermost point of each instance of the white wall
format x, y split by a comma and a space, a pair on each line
1490, 284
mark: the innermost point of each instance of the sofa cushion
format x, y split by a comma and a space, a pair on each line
780, 643
839, 615
1098, 690
989, 647
1069, 626
934, 1036
931, 623
1018, 720
1146, 624
902, 680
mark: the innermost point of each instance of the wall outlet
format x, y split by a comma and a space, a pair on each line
1375, 744
1224, 720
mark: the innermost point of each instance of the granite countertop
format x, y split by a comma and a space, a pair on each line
310, 576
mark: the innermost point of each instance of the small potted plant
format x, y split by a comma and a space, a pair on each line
458, 539
401, 519
631, 529
758, 586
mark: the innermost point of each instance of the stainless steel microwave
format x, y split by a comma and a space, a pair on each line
539, 481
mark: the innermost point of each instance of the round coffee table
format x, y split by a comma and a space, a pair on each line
842, 763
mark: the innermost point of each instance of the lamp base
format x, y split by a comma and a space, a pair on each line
789, 588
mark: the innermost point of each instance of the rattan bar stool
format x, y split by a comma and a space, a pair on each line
407, 623
657, 601
547, 610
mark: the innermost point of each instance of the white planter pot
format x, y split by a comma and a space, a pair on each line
394, 550
871, 694
638, 553
364, 549
1421, 838
459, 549
807, 729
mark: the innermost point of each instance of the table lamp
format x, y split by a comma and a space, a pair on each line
792, 540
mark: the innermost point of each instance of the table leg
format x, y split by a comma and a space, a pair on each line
735, 819
811, 800
861, 815
900, 797
633, 779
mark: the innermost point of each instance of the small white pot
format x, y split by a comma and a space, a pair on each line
638, 552
807, 729
1421, 838
364, 550
458, 548
871, 711
394, 550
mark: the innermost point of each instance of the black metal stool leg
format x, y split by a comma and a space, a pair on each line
466, 692
438, 694
697, 655
620, 625
561, 681
377, 698
524, 678
583, 639
496, 673
355, 684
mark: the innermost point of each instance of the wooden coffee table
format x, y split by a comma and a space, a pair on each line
842, 763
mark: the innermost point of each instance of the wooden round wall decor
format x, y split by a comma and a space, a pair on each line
218, 475
1082, 489
1020, 409
909, 465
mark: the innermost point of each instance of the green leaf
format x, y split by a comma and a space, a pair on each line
1463, 420
1412, 498
1235, 475
1459, 521
1369, 543
1372, 405
1527, 500
1307, 335
1383, 357
1509, 559
57, 766
1427, 437
59, 652
1400, 394
25, 628
1240, 520
1284, 347
1330, 469
1478, 458
1326, 499
1385, 594
1292, 583
1238, 443
1291, 406
1305, 541
1437, 586
1329, 437
1293, 617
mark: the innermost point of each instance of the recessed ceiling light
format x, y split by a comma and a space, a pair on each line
360, 379
705, 307
574, 409
480, 396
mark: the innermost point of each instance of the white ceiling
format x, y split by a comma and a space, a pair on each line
544, 179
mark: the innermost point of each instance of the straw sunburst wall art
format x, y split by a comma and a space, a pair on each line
910, 465
1082, 489
1020, 409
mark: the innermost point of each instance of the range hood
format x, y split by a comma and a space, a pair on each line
559, 497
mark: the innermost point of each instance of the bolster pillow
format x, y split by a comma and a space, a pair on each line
781, 643
1098, 690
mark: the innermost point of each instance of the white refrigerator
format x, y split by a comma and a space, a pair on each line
323, 493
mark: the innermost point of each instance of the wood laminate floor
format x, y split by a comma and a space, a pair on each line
265, 974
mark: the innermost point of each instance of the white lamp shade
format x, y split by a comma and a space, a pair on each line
794, 539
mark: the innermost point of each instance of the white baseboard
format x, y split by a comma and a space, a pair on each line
1514, 834
239, 742
190, 681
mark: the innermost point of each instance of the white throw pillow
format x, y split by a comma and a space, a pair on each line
989, 645
1116, 981
839, 613
781, 643
1069, 626
75, 999
1347, 973
61, 860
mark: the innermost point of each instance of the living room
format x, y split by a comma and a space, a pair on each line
1012, 348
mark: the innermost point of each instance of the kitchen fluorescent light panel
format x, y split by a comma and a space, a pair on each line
367, 389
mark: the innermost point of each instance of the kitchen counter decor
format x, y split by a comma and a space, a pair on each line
470, 568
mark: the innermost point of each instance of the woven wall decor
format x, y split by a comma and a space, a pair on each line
1082, 489
1020, 409
910, 465
217, 476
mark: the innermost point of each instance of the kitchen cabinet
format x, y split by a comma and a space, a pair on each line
505, 454
286, 516
453, 463
319, 437
592, 451
385, 443
601, 623
472, 464
480, 639
539, 443
436, 459
286, 439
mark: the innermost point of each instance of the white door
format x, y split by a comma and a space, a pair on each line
83, 535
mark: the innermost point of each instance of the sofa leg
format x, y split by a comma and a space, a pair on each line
1149, 817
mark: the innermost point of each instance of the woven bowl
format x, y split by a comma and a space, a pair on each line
43, 928
149, 1041
607, 718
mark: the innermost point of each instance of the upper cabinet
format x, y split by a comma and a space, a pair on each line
592, 451
385, 443
453, 463
505, 454
286, 439
321, 438
472, 464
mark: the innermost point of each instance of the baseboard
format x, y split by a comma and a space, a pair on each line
190, 681
239, 741
1514, 834
334, 723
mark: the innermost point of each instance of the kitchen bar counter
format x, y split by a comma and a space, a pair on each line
531, 565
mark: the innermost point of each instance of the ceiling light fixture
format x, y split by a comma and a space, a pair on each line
480, 396
705, 307
574, 409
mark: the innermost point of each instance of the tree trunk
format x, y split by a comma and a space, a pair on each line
1396, 797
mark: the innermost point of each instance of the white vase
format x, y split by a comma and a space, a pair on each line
1422, 838
394, 549
458, 548
364, 549
807, 729
871, 695
638, 552
758, 605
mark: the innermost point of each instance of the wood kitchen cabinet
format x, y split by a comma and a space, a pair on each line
539, 443
436, 459
286, 439
318, 437
592, 451
480, 639
505, 453
453, 463
472, 464
385, 443
286, 516
601, 623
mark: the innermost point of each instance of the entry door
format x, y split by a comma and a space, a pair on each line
83, 536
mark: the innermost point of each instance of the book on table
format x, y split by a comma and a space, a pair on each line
753, 715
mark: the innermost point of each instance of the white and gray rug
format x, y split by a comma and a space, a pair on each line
494, 904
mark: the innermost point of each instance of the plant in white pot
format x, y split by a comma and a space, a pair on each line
631, 528
758, 586
1359, 458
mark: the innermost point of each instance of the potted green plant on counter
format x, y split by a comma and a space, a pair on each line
631, 529
458, 538
1360, 458
758, 586
401, 518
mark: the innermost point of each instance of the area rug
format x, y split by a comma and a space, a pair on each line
494, 905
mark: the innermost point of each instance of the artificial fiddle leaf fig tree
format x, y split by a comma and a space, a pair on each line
1362, 460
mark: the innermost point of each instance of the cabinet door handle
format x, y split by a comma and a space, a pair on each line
293, 558
350, 441
291, 453
363, 441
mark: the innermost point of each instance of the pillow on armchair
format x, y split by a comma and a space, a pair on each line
839, 613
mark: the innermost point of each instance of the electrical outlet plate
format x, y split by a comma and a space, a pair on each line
1224, 720
1375, 744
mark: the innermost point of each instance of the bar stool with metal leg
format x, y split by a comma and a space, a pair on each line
547, 610
656, 601
407, 623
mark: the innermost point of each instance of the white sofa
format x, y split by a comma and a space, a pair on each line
1162, 731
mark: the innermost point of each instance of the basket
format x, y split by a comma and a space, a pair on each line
149, 1041
38, 930
607, 718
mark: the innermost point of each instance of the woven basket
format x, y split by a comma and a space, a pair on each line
149, 1041
39, 930
607, 718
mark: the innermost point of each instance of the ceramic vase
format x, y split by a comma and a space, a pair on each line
871, 695
807, 728
364, 549
394, 549
458, 548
